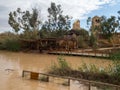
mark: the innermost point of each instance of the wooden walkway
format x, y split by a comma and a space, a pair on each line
35, 75
101, 52
87, 54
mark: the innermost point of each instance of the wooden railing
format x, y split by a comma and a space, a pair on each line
117, 87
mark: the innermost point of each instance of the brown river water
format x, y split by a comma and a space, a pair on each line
12, 64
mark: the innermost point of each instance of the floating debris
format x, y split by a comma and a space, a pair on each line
9, 70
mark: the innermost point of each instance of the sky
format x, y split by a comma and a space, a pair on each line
78, 9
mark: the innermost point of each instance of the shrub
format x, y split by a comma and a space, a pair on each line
115, 55
91, 68
12, 45
9, 41
61, 67
63, 63
90, 72
116, 64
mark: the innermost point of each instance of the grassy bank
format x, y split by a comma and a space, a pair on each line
91, 72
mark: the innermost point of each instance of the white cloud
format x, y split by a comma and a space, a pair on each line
78, 9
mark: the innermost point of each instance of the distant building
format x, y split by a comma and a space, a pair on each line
76, 25
95, 28
96, 21
74, 32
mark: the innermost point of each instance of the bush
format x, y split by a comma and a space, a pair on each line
115, 55
63, 63
2, 46
116, 64
9, 41
93, 41
61, 67
91, 68
12, 45
81, 42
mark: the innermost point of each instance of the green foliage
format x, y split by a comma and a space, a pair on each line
57, 23
30, 35
12, 45
91, 68
83, 68
2, 47
115, 56
88, 21
61, 67
82, 43
25, 20
9, 41
63, 63
84, 33
109, 26
109, 74
13, 23
57, 20
116, 69
93, 41
82, 38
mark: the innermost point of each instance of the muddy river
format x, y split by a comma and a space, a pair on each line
12, 64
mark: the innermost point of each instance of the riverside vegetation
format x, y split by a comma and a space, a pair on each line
9, 41
111, 74
29, 25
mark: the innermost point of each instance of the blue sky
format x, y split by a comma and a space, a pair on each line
106, 10
78, 9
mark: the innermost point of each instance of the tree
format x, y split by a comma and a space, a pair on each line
13, 23
89, 22
119, 19
109, 26
93, 41
24, 20
57, 22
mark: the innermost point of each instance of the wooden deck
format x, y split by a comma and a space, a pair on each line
101, 52
87, 54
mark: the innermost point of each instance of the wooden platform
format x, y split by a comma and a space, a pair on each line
86, 54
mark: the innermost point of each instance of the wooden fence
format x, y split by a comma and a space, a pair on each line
34, 75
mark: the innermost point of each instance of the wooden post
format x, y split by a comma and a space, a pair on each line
23, 73
89, 87
95, 52
102, 54
68, 81
47, 78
